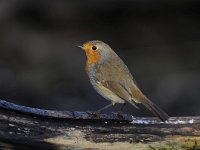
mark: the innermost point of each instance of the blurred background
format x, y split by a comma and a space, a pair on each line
40, 65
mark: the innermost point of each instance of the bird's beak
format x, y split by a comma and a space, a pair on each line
80, 47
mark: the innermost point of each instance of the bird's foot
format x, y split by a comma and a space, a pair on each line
119, 114
94, 113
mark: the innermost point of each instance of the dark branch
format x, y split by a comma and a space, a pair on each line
61, 114
54, 129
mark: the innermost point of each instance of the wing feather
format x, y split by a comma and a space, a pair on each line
120, 90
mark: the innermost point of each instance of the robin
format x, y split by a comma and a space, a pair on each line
111, 78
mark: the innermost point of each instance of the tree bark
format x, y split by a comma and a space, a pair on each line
37, 128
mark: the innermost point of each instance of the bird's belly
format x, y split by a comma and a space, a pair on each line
103, 91
106, 93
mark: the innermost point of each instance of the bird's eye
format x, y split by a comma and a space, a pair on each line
94, 48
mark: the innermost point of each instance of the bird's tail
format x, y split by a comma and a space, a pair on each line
155, 109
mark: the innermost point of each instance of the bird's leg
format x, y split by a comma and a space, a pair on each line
120, 112
105, 107
123, 107
97, 113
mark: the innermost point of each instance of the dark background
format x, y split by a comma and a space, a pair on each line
41, 66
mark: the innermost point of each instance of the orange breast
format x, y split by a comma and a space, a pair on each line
92, 56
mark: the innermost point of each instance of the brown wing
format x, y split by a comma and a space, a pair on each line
115, 76
134, 98
118, 89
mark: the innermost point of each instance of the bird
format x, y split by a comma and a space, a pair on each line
111, 78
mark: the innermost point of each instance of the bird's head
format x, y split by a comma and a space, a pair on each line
96, 51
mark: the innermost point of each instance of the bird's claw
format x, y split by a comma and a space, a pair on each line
94, 113
119, 114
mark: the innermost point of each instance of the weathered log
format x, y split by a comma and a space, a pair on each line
22, 126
